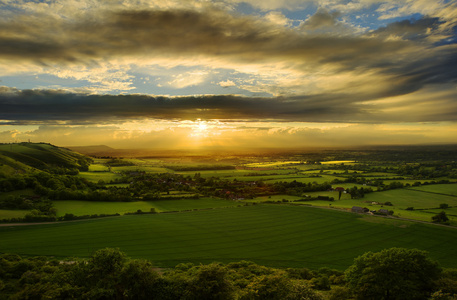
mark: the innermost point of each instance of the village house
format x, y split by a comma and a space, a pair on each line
360, 210
383, 211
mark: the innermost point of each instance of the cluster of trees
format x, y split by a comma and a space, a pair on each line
42, 182
199, 167
42, 209
390, 274
429, 170
357, 193
441, 218
296, 188
118, 162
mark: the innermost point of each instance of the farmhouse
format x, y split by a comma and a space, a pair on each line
383, 211
339, 189
360, 210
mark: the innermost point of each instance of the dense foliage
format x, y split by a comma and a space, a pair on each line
390, 274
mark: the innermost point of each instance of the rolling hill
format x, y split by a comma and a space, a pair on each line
23, 157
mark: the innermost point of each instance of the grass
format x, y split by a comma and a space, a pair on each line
272, 235
448, 189
321, 179
38, 155
98, 168
80, 208
273, 164
186, 204
411, 198
244, 175
338, 162
274, 198
96, 176
425, 204
9, 213
150, 169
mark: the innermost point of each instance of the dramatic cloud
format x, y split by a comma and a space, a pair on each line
41, 106
110, 62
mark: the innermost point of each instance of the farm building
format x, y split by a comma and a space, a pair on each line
360, 210
383, 211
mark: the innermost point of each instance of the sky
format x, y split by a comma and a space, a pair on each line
183, 74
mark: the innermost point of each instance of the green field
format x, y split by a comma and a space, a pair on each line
96, 176
411, 198
245, 175
80, 208
272, 235
146, 168
447, 189
273, 198
425, 204
10, 213
304, 179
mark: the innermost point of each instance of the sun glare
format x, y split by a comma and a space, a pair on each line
200, 129
202, 126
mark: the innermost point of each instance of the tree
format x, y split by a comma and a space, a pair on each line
394, 273
138, 280
440, 218
98, 278
210, 282
444, 205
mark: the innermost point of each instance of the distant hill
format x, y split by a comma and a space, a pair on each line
25, 157
98, 150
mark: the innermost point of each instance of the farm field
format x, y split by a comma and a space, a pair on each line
96, 176
186, 204
411, 198
10, 213
273, 198
447, 189
79, 208
145, 168
425, 204
303, 179
272, 235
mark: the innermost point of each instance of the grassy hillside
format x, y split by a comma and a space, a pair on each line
272, 235
24, 156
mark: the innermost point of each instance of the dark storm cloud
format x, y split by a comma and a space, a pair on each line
52, 107
47, 106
